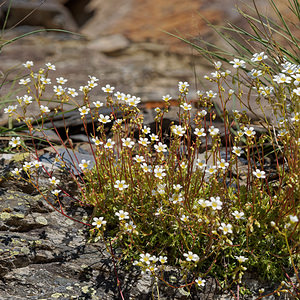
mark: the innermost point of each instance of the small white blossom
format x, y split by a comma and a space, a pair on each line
183, 87
216, 203
178, 130
293, 219
83, 110
238, 215
213, 131
50, 66
241, 259
99, 222
122, 215
84, 164
54, 181
28, 64
108, 89
211, 94
200, 281
238, 63
109, 144
58, 90
237, 150
72, 92
190, 256
167, 98
186, 106
159, 172
127, 142
139, 158
104, 119
258, 57
61, 80
98, 104
121, 185
97, 141
160, 147
24, 81
259, 174
226, 228
249, 131
282, 78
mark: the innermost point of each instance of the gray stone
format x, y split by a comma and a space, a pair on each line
109, 45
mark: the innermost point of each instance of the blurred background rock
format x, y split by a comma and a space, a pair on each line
122, 42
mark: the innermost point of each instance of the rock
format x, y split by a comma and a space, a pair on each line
110, 45
49, 14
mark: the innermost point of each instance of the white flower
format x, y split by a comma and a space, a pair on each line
122, 215
167, 98
176, 198
146, 130
159, 172
84, 164
163, 259
134, 101
130, 226
28, 64
217, 65
157, 109
190, 256
255, 73
58, 90
211, 94
238, 215
259, 57
249, 131
200, 163
282, 78
216, 74
241, 258
26, 166
108, 89
98, 104
16, 171
230, 92
237, 150
293, 219
297, 79
297, 91
199, 132
183, 87
10, 109
216, 203
200, 93
200, 281
72, 92
213, 131
186, 106
226, 228
99, 222
109, 144
97, 141
118, 95
146, 168
222, 164
54, 181
24, 81
178, 130
27, 99
14, 142
145, 258
104, 119
126, 97
160, 147
177, 187
143, 141
121, 185
204, 203
211, 170
93, 78
184, 218
83, 110
61, 80
55, 192
50, 66
36, 164
238, 63
127, 142
153, 137
139, 159
259, 174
